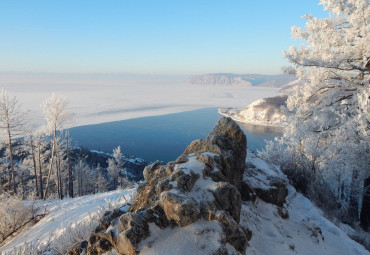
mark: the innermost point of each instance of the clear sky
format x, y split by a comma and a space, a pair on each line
151, 36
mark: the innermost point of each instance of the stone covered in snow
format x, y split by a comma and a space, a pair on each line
196, 197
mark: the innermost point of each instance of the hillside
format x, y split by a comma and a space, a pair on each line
197, 204
230, 79
266, 111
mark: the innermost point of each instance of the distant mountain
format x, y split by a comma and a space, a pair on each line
230, 79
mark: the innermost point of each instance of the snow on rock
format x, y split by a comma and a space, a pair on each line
264, 181
264, 111
303, 229
189, 206
63, 215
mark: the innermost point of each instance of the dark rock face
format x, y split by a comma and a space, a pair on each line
272, 189
228, 198
133, 229
229, 142
203, 183
275, 195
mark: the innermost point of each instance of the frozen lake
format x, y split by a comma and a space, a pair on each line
95, 99
153, 117
162, 137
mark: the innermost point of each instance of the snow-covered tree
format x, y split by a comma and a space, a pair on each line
40, 144
101, 181
328, 120
113, 172
116, 168
80, 170
57, 117
12, 119
118, 158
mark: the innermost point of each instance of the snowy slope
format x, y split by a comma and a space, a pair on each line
65, 214
306, 231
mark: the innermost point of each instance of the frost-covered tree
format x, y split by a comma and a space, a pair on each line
14, 213
101, 181
12, 119
57, 116
113, 172
118, 158
328, 120
80, 170
40, 144
116, 168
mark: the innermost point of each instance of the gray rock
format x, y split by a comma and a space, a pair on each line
235, 234
276, 194
133, 229
181, 210
229, 141
208, 210
186, 181
148, 170
227, 198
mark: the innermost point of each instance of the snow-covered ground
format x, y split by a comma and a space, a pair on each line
105, 98
63, 216
306, 231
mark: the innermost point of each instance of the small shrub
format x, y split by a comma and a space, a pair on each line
14, 214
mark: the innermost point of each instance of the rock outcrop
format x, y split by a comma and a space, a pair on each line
196, 197
266, 185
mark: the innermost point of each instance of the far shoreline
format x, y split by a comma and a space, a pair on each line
247, 122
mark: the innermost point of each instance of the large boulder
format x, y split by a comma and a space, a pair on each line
198, 193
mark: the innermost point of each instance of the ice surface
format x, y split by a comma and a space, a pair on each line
100, 99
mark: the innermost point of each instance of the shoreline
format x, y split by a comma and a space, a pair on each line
247, 122
145, 115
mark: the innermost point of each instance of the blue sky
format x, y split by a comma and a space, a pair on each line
152, 36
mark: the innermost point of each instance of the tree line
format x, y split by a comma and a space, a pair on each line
326, 141
43, 161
